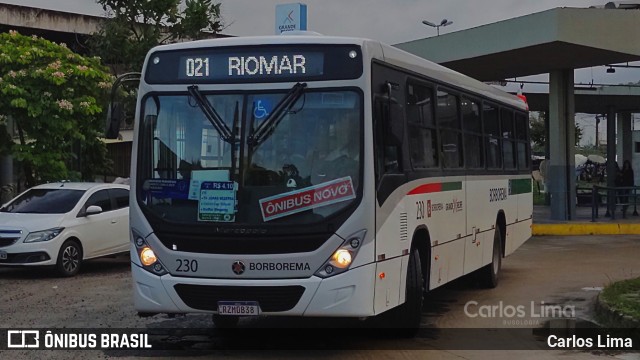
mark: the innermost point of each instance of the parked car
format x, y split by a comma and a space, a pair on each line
64, 224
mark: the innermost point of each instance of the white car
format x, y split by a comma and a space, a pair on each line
63, 224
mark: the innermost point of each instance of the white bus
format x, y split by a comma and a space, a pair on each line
318, 176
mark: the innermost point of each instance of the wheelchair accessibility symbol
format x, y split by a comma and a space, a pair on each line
261, 109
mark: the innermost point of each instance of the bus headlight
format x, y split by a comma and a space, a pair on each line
342, 258
148, 258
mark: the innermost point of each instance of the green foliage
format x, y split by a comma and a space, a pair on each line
55, 98
133, 27
538, 133
623, 297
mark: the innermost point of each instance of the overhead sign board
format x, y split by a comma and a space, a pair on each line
291, 17
256, 63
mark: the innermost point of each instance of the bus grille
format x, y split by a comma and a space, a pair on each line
243, 244
403, 226
270, 298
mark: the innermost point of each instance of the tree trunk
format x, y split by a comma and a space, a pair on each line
27, 169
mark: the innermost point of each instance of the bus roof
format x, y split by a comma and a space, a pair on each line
391, 55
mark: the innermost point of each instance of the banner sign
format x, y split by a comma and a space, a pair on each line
324, 194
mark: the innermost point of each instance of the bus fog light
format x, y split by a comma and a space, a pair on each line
341, 258
158, 268
328, 269
354, 243
147, 257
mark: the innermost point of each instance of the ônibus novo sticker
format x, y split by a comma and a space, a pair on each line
324, 194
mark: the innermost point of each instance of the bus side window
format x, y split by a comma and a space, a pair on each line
388, 155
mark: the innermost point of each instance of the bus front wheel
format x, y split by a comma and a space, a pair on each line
490, 274
405, 319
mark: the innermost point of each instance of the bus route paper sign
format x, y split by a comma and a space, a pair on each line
217, 201
324, 194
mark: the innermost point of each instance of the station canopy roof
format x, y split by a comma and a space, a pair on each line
556, 39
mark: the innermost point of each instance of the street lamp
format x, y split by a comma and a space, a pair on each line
444, 22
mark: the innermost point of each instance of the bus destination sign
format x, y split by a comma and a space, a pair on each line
254, 64
225, 66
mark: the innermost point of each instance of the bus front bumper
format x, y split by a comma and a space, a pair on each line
350, 294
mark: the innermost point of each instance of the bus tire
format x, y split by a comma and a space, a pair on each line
406, 318
490, 273
225, 321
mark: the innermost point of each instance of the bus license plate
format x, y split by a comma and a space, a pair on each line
241, 308
3, 255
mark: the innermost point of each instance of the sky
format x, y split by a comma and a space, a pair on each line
390, 21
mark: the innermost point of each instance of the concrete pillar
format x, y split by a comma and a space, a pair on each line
612, 168
623, 138
547, 155
562, 183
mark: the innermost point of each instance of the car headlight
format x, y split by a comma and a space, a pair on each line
44, 235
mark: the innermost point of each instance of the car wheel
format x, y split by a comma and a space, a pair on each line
69, 258
490, 274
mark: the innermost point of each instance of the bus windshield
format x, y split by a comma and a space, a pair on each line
246, 166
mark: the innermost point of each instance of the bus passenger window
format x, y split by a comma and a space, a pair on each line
448, 118
423, 144
391, 160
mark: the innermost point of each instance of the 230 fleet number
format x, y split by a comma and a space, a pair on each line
187, 265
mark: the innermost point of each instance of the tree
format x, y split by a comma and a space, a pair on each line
538, 132
54, 97
133, 27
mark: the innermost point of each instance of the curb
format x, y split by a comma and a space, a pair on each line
614, 319
585, 229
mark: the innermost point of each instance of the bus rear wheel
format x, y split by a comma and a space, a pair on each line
490, 274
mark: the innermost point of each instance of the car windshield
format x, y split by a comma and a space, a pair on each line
44, 201
247, 162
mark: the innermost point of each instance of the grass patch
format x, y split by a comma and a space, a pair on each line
623, 297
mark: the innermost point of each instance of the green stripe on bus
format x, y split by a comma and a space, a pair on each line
451, 186
519, 186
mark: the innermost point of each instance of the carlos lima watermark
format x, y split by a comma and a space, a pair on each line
33, 339
522, 315
519, 315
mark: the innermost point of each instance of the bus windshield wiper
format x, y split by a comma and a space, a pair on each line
211, 114
266, 128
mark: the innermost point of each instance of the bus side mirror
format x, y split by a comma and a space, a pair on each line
115, 116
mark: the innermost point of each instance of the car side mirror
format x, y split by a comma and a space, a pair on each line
92, 210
